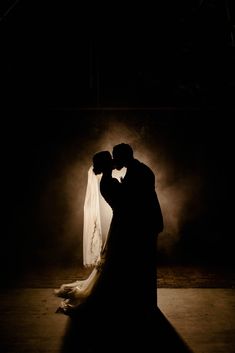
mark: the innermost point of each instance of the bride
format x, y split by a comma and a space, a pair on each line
101, 286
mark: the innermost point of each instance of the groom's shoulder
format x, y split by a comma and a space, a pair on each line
143, 168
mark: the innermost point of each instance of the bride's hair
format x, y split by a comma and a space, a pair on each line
102, 160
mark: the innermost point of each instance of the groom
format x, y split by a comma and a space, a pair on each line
144, 217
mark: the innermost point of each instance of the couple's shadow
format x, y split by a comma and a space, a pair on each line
117, 334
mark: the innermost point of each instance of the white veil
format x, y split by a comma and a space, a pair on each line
76, 292
92, 232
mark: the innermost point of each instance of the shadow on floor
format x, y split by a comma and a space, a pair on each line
154, 334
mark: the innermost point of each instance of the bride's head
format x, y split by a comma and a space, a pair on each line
102, 162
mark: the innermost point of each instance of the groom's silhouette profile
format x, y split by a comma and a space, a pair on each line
144, 220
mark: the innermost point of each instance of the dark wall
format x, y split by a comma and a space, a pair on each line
70, 54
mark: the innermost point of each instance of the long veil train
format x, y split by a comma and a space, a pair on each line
94, 242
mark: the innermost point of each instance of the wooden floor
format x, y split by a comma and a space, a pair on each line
204, 317
189, 320
196, 320
167, 276
28, 321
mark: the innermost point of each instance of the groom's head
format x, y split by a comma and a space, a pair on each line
122, 155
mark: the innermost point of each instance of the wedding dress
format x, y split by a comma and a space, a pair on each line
94, 247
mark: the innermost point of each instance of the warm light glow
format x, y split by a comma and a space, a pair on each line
175, 193
118, 174
105, 209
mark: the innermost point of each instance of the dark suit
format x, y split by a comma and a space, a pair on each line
128, 280
145, 220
